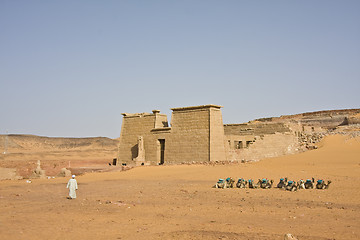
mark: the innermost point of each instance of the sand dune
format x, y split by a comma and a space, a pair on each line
177, 202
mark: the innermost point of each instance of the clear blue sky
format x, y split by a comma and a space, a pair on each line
70, 68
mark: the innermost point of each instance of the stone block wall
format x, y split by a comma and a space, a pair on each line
260, 147
254, 141
134, 126
217, 148
190, 135
255, 128
157, 134
196, 135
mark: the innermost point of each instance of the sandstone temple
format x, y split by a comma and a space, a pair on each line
197, 134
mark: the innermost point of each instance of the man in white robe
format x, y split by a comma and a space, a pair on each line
72, 186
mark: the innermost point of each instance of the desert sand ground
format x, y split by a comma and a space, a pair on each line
178, 202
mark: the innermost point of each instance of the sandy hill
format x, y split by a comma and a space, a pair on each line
20, 143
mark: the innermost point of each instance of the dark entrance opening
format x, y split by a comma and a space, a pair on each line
162, 151
238, 144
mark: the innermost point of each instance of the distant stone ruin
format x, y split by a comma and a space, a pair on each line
38, 172
8, 173
64, 173
197, 135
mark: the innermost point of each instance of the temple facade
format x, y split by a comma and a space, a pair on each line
196, 135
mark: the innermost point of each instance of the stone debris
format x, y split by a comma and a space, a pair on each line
308, 141
289, 236
38, 172
65, 173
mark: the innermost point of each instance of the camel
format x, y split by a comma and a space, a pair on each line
291, 186
269, 184
220, 184
241, 183
230, 182
322, 185
262, 182
282, 183
301, 184
309, 183
265, 183
328, 184
252, 184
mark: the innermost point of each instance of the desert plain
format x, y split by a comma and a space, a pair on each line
179, 201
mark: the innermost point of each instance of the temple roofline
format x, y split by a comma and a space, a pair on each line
196, 107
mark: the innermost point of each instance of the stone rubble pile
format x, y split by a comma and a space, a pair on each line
308, 141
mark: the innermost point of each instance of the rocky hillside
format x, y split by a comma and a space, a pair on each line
325, 119
23, 143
